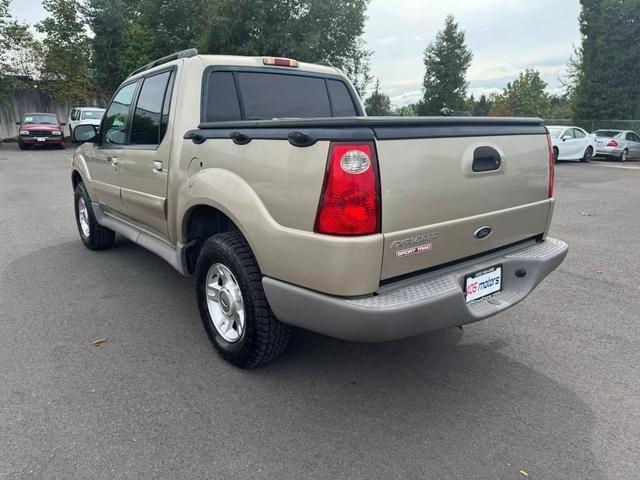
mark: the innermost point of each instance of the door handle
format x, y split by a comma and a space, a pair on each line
486, 159
157, 166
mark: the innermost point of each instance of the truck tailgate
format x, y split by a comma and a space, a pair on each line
434, 205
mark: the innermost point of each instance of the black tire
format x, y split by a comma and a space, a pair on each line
588, 155
99, 237
264, 337
23, 146
556, 154
61, 146
624, 155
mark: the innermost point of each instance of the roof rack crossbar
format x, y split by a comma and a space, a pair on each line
190, 52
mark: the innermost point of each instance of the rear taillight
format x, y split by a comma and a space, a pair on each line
350, 199
612, 143
551, 167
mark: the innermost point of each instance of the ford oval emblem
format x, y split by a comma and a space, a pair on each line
483, 232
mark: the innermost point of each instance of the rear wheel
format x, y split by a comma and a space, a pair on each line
555, 154
624, 155
588, 155
93, 235
232, 303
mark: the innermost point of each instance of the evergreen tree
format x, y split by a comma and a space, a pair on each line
378, 103
446, 60
607, 85
482, 107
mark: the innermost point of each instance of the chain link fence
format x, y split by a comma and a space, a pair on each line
593, 125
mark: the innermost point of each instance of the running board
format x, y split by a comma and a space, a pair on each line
173, 256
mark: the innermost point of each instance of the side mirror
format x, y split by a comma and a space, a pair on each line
85, 133
18, 123
62, 124
566, 137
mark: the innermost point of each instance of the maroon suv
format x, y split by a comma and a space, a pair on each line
40, 129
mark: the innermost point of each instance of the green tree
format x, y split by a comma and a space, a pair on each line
446, 60
524, 97
378, 103
560, 107
481, 107
307, 30
410, 110
20, 55
109, 21
4, 38
66, 52
606, 84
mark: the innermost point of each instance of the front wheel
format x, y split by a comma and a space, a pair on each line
233, 305
588, 155
624, 155
93, 235
23, 146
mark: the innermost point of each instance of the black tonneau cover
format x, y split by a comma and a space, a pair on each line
383, 128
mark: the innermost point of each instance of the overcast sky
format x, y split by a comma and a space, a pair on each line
506, 36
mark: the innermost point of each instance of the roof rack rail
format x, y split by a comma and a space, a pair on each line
190, 52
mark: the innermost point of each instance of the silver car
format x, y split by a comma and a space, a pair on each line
620, 144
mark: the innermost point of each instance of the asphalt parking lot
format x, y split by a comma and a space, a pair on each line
550, 387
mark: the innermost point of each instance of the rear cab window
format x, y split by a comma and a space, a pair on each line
266, 95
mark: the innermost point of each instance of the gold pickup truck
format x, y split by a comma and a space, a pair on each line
264, 179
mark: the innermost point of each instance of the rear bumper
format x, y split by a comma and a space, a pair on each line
410, 307
608, 151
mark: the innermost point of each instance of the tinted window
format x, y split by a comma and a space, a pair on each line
45, 119
165, 107
145, 129
555, 132
340, 99
92, 114
222, 98
635, 137
578, 133
117, 116
607, 133
268, 95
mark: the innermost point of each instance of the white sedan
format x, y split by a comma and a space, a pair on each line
571, 143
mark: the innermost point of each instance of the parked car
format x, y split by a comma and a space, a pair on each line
620, 144
84, 116
40, 129
571, 143
264, 179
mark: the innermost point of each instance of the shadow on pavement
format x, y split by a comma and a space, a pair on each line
156, 400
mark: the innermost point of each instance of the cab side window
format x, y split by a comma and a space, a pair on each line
116, 120
151, 113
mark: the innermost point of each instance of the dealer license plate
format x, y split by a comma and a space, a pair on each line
483, 283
